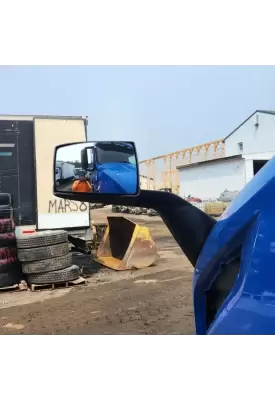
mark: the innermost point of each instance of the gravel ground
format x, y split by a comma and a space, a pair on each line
156, 300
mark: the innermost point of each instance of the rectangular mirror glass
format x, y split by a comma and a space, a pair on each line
97, 167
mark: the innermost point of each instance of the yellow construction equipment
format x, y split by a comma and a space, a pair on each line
126, 245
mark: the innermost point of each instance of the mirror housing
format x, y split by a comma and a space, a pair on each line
189, 225
109, 168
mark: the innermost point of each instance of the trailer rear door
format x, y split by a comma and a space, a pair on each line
53, 212
17, 174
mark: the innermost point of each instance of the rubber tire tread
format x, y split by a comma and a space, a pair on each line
48, 265
68, 274
8, 257
7, 239
42, 240
42, 253
7, 225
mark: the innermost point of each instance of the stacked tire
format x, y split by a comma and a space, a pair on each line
46, 258
10, 267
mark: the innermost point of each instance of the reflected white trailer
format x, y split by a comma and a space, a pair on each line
64, 172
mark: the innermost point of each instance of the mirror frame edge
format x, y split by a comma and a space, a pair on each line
57, 193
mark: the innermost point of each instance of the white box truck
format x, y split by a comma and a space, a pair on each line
64, 172
26, 171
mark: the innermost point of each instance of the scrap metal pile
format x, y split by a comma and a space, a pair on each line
138, 210
214, 207
134, 210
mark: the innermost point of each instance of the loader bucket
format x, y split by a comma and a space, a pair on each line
126, 245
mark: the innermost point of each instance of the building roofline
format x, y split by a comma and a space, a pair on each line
2, 116
220, 159
257, 111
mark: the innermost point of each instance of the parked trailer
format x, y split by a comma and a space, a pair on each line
64, 172
26, 171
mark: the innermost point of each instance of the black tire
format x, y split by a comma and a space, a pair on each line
7, 239
42, 253
68, 274
8, 255
39, 239
51, 264
13, 277
7, 225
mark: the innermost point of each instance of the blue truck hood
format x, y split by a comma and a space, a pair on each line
248, 224
117, 177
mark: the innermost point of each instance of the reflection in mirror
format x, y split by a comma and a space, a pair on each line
97, 167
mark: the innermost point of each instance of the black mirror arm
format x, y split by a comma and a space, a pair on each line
189, 226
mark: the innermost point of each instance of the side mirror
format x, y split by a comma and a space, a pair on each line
84, 159
88, 158
97, 167
115, 180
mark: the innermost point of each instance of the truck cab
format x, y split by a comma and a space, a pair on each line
111, 167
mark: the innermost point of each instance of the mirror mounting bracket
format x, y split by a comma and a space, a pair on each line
189, 225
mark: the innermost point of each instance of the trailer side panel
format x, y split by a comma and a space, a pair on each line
53, 212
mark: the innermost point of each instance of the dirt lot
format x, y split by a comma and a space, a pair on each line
156, 300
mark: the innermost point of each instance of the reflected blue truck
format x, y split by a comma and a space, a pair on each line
113, 168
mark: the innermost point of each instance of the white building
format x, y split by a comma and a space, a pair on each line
247, 149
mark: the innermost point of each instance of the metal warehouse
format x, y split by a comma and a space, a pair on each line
245, 151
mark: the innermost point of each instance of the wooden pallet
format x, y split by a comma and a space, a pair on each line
52, 286
17, 287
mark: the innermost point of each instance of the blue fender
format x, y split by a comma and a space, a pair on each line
248, 224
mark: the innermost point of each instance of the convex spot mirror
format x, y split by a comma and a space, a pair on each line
97, 167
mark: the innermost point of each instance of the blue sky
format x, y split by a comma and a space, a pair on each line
161, 108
